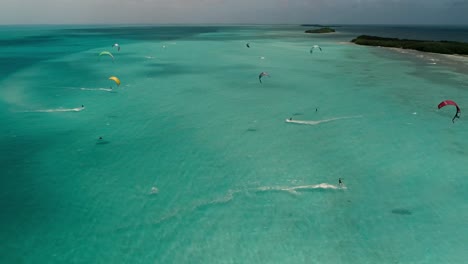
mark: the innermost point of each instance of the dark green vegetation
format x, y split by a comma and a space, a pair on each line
320, 30
443, 47
318, 25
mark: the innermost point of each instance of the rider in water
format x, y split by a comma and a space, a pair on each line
457, 115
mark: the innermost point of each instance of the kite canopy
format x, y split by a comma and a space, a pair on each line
315, 47
106, 53
115, 79
261, 75
450, 102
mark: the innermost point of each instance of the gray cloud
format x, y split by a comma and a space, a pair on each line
234, 11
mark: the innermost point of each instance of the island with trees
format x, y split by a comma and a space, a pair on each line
318, 25
442, 47
321, 30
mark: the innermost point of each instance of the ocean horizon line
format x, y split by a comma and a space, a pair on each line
232, 24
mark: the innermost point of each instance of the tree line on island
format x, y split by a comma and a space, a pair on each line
443, 47
321, 30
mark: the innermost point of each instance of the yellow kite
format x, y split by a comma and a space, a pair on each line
115, 79
107, 53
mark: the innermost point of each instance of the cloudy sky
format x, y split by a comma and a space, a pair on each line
234, 11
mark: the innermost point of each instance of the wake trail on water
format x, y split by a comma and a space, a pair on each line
90, 89
96, 89
316, 122
297, 189
229, 196
77, 109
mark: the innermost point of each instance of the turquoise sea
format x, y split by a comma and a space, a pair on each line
196, 163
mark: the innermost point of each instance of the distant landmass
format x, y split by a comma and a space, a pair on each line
443, 47
321, 30
317, 25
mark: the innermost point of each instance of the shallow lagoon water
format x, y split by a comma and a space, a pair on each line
235, 182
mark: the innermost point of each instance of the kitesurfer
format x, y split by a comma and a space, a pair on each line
340, 182
290, 119
457, 115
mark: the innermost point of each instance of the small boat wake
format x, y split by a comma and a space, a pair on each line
77, 109
316, 122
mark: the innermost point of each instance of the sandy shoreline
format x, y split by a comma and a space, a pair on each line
455, 57
458, 63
